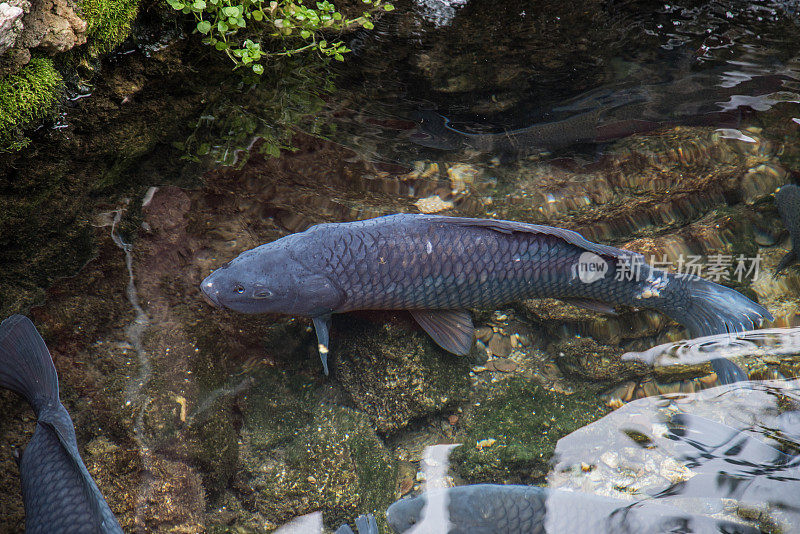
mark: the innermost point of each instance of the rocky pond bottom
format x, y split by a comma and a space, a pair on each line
197, 420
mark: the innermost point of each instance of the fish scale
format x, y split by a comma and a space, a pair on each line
437, 267
47, 465
514, 509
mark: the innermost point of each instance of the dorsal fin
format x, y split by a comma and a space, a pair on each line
509, 227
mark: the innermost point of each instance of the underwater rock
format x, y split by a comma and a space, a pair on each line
647, 184
150, 492
394, 373
586, 358
525, 421
330, 459
564, 320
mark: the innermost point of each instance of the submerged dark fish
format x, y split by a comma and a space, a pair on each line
59, 493
787, 199
434, 131
604, 115
437, 267
496, 509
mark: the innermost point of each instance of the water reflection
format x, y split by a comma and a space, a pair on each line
753, 343
685, 64
695, 451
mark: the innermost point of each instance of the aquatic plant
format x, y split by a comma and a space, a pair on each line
269, 110
26, 97
235, 27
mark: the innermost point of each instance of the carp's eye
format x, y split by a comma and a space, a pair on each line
239, 288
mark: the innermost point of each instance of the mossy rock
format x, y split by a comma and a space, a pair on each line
276, 407
525, 421
26, 98
585, 358
299, 456
395, 373
109, 22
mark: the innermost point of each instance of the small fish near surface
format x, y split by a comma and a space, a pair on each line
500, 509
436, 267
58, 492
787, 200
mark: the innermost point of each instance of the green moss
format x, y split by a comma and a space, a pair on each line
109, 22
395, 373
334, 462
526, 421
25, 98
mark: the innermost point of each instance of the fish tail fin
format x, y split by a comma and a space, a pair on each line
791, 257
365, 524
728, 372
706, 308
25, 363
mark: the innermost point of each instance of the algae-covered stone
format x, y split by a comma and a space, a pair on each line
511, 434
277, 406
299, 455
559, 317
395, 373
586, 358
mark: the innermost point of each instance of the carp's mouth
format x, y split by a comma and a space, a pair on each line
210, 299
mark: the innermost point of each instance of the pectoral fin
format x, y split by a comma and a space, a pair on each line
322, 325
592, 305
450, 329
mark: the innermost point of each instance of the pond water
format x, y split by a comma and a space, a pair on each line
660, 128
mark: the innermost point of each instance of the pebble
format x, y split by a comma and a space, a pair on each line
674, 471
499, 346
504, 365
484, 333
461, 176
433, 204
485, 443
610, 459
405, 486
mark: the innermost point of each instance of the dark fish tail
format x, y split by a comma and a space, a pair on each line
59, 493
25, 363
787, 200
787, 260
706, 308
365, 524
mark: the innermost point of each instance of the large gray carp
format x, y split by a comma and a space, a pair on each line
437, 267
57, 490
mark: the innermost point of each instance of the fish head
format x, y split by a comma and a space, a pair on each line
268, 279
402, 515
